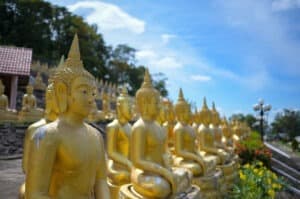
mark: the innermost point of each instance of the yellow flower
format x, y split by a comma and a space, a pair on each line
274, 176
271, 193
260, 173
260, 163
242, 176
246, 166
269, 181
255, 170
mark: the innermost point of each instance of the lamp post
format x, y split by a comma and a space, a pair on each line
261, 109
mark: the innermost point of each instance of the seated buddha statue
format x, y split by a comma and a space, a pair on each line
106, 104
187, 156
218, 133
227, 133
39, 84
6, 114
237, 132
161, 118
195, 120
151, 174
51, 112
206, 137
169, 124
29, 111
67, 157
96, 115
118, 145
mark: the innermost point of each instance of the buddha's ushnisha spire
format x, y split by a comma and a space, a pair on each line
73, 60
204, 106
147, 80
180, 95
61, 62
214, 107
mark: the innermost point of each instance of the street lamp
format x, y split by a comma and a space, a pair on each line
261, 108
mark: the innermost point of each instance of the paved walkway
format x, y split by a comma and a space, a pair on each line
11, 177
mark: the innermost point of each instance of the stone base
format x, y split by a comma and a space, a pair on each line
230, 172
127, 192
113, 190
210, 185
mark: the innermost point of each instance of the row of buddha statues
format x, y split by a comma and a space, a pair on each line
30, 112
166, 153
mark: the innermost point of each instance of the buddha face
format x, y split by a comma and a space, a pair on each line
124, 108
184, 114
82, 96
149, 107
29, 89
50, 103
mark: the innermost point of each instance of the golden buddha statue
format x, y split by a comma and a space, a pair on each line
227, 133
96, 115
51, 112
151, 174
29, 111
39, 84
187, 156
169, 123
161, 118
206, 137
195, 120
229, 166
105, 97
67, 157
237, 132
6, 114
118, 145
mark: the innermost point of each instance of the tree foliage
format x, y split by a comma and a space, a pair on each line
287, 121
49, 29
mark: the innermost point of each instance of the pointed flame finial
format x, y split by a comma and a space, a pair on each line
61, 62
180, 95
147, 80
204, 106
214, 106
74, 54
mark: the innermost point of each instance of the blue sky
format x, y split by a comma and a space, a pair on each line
233, 52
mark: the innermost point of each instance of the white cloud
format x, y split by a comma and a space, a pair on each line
145, 54
109, 17
202, 78
167, 62
167, 37
283, 5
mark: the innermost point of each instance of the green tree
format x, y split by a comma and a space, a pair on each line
287, 121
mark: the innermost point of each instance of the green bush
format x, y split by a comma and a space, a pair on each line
252, 149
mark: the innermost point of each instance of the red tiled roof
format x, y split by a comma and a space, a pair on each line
15, 60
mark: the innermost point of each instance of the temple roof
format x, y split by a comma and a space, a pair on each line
15, 60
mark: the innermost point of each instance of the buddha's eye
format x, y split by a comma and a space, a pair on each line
84, 92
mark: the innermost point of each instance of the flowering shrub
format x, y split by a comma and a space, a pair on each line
256, 181
253, 149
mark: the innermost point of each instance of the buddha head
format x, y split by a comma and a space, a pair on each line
205, 114
75, 87
162, 117
169, 109
29, 89
182, 109
147, 99
123, 105
1, 87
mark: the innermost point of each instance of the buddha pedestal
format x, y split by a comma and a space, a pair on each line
151, 173
30, 112
118, 146
6, 114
